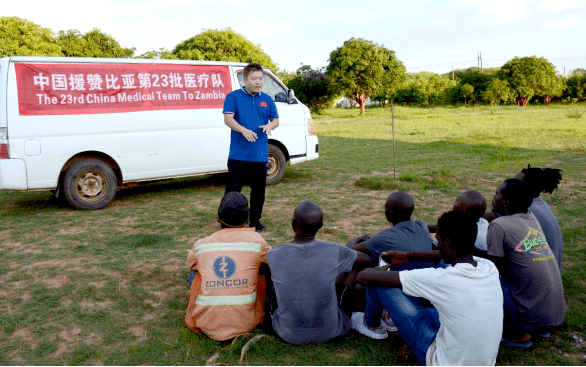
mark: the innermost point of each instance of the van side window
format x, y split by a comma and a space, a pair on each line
270, 87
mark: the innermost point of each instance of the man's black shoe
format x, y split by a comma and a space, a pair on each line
259, 227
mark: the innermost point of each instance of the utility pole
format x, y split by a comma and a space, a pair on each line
481, 63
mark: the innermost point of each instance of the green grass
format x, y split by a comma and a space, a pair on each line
109, 286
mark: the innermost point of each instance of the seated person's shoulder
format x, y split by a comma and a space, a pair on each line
421, 226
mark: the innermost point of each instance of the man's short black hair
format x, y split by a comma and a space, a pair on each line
250, 68
460, 229
519, 194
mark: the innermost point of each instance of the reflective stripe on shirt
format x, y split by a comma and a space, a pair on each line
242, 246
226, 300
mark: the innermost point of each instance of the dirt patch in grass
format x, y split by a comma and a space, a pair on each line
68, 339
5, 234
26, 337
68, 231
139, 333
93, 339
55, 282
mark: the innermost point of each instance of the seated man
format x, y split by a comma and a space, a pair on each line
404, 235
474, 204
304, 274
227, 294
464, 326
530, 277
545, 180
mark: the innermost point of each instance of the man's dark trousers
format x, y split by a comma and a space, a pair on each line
253, 174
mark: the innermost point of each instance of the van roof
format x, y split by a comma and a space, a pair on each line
99, 60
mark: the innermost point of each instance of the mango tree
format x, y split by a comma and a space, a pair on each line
362, 68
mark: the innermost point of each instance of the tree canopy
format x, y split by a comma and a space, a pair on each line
425, 87
222, 45
93, 43
576, 87
531, 76
362, 68
20, 37
312, 87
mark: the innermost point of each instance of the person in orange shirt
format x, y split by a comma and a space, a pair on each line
227, 293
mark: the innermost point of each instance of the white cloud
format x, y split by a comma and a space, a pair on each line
566, 24
365, 18
442, 22
265, 29
558, 6
338, 14
236, 2
504, 11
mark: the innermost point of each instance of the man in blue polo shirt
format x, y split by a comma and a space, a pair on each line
251, 115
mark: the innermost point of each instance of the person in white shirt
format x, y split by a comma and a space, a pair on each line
464, 324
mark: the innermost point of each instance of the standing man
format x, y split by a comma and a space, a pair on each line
251, 115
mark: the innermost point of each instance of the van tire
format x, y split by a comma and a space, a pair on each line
89, 184
276, 165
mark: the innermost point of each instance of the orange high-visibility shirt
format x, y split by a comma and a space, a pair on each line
227, 296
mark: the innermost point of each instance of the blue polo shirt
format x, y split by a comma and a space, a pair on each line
251, 112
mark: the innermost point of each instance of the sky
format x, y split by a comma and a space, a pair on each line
425, 35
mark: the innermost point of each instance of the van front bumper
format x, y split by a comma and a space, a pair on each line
312, 147
12, 174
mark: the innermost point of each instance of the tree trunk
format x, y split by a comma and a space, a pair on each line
547, 99
522, 101
361, 100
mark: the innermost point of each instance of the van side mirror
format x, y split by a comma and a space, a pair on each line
291, 97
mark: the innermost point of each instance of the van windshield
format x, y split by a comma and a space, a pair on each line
270, 87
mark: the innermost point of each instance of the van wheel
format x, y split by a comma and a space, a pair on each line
276, 166
89, 184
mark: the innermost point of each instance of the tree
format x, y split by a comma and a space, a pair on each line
576, 87
498, 90
93, 43
466, 90
312, 87
222, 45
531, 76
425, 87
159, 54
20, 37
361, 68
480, 82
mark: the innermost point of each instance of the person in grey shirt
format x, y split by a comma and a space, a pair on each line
304, 274
404, 235
533, 291
545, 180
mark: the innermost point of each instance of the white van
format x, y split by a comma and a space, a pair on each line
83, 127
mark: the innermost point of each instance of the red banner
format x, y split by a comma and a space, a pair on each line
73, 89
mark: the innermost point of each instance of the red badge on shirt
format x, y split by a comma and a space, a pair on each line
263, 104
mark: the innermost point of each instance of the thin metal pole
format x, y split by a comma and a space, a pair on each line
394, 155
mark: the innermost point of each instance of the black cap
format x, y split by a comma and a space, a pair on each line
233, 209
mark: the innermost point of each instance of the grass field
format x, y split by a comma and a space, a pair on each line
108, 286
